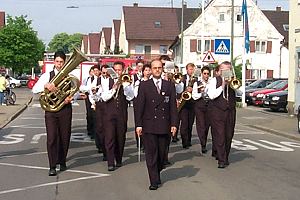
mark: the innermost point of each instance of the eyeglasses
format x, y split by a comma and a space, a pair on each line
206, 73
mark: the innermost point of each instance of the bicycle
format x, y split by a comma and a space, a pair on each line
9, 97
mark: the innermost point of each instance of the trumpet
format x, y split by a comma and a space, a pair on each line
123, 80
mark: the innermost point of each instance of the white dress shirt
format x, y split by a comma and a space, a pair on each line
195, 93
43, 80
212, 91
107, 93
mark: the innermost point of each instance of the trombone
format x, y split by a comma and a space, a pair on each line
123, 80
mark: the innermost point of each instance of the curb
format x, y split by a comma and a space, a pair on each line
275, 132
16, 114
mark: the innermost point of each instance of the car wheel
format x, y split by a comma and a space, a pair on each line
298, 125
275, 109
12, 85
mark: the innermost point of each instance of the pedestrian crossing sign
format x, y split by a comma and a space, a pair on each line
208, 58
222, 46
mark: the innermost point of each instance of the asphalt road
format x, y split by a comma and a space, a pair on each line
263, 166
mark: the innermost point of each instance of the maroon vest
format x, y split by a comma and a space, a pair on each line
221, 102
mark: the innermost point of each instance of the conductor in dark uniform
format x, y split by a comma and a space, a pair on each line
156, 119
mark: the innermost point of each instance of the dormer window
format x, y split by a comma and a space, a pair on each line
157, 24
286, 27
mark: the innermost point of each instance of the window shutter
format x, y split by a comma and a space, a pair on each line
269, 73
269, 47
193, 45
252, 46
212, 46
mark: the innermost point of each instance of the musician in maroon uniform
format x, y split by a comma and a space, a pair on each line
187, 113
58, 124
222, 112
201, 99
156, 120
115, 115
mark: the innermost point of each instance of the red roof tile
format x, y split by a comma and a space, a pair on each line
117, 25
94, 39
140, 23
107, 35
2, 18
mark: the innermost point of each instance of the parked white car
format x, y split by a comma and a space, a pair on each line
14, 82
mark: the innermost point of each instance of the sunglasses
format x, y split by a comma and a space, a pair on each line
206, 73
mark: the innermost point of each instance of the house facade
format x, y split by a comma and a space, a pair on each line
115, 33
294, 61
2, 19
147, 32
267, 57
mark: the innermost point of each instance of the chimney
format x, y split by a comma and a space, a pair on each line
184, 5
2, 19
135, 5
278, 9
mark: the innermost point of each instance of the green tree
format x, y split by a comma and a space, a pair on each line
65, 42
237, 64
20, 48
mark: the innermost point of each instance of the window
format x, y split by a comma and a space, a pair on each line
139, 49
148, 49
238, 17
286, 27
261, 46
157, 24
222, 17
163, 49
207, 46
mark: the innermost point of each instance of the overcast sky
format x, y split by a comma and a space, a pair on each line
50, 17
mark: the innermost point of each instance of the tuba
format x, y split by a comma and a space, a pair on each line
67, 85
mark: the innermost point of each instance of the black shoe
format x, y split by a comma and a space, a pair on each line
204, 150
100, 150
52, 172
221, 166
226, 163
63, 167
104, 158
153, 187
111, 168
119, 165
167, 163
174, 140
185, 147
189, 145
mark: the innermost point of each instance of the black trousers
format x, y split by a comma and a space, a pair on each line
114, 138
187, 117
58, 127
222, 125
155, 146
202, 124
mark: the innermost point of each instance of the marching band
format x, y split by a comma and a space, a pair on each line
163, 101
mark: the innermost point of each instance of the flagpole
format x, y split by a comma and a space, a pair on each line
244, 60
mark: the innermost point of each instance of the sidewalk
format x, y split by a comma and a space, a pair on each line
264, 119
10, 112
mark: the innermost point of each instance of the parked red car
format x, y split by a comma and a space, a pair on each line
31, 82
258, 96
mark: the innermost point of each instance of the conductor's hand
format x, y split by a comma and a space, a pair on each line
173, 130
51, 87
68, 100
138, 131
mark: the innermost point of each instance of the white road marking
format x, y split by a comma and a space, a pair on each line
49, 184
35, 139
40, 118
46, 168
28, 154
31, 127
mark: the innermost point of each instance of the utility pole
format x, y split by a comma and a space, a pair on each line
232, 31
202, 32
181, 42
